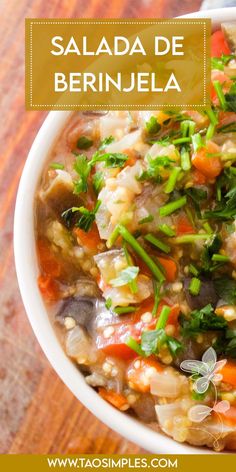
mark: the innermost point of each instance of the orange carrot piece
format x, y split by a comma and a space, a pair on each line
206, 162
229, 373
116, 399
91, 239
49, 288
170, 268
138, 373
47, 259
183, 226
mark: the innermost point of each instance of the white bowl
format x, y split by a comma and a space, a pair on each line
27, 272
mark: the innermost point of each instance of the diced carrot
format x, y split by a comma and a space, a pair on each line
116, 399
174, 315
140, 371
145, 306
206, 162
132, 157
198, 177
229, 373
49, 288
219, 45
47, 259
183, 225
91, 239
170, 268
229, 416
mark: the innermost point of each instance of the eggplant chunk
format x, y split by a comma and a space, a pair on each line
81, 309
229, 30
59, 195
206, 295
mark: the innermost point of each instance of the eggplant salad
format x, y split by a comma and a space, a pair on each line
136, 243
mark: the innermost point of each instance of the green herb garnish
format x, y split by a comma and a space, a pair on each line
84, 142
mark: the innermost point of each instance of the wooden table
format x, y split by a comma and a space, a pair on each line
38, 413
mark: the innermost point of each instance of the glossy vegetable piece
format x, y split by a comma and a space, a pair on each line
140, 372
206, 160
116, 399
229, 30
49, 288
183, 225
207, 294
219, 44
81, 309
59, 195
170, 268
115, 344
91, 239
229, 373
48, 261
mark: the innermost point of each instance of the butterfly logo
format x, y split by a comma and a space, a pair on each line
207, 371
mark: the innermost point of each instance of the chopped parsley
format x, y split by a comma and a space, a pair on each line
152, 126
201, 321
98, 182
84, 142
86, 218
105, 142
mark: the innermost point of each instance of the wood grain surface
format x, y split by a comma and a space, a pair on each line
38, 414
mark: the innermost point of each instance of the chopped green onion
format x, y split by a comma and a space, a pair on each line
147, 219
113, 237
162, 320
220, 258
184, 126
210, 131
197, 142
121, 310
127, 236
172, 206
132, 343
167, 230
192, 126
194, 286
133, 283
207, 228
181, 140
212, 116
57, 165
156, 290
193, 269
187, 128
190, 238
170, 185
157, 243
185, 159
220, 94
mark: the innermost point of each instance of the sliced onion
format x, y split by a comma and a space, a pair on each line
167, 412
166, 384
128, 141
128, 178
113, 124
122, 296
80, 347
159, 150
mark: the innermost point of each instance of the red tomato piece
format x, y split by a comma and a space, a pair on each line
219, 44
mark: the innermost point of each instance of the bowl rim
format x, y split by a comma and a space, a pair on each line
27, 271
